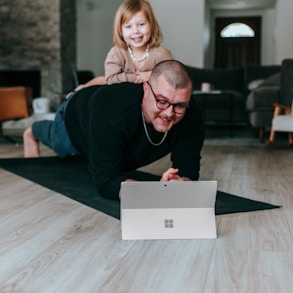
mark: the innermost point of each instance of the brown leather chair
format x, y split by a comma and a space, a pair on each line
15, 103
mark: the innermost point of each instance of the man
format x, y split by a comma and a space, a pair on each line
122, 127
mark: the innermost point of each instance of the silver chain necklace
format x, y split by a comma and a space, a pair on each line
147, 134
145, 55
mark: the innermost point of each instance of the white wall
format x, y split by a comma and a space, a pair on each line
94, 32
268, 45
284, 30
182, 23
185, 25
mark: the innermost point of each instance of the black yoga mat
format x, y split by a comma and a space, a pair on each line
70, 177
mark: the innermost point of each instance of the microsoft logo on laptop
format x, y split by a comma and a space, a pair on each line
169, 223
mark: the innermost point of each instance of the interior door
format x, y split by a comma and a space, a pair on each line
237, 51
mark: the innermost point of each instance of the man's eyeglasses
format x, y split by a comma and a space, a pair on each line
179, 108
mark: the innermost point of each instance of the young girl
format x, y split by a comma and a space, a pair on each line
136, 47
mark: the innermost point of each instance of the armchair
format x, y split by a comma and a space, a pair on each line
15, 103
283, 116
283, 122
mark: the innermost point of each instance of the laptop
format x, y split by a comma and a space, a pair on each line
168, 210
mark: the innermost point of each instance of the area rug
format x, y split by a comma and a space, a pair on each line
71, 178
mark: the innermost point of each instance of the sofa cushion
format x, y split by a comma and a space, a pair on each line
273, 80
254, 84
257, 72
263, 96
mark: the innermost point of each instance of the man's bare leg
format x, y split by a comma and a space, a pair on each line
31, 148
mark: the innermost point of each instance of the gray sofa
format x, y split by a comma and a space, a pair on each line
235, 82
260, 102
278, 88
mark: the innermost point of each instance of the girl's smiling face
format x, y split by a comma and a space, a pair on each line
136, 31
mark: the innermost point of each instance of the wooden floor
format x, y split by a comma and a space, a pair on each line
50, 243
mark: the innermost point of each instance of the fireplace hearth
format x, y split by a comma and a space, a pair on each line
30, 78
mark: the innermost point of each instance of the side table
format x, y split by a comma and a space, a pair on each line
206, 98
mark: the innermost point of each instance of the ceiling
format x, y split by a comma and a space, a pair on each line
240, 4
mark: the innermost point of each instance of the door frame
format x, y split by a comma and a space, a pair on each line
244, 44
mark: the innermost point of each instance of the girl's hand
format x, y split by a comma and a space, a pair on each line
76, 89
142, 76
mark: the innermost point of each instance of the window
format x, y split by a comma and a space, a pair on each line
237, 30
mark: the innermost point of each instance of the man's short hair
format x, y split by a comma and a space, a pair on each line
175, 73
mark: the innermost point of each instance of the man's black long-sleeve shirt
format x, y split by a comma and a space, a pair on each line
105, 124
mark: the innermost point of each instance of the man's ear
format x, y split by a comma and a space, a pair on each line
145, 86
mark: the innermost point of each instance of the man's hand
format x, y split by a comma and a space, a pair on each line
172, 175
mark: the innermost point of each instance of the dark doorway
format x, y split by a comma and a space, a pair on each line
237, 51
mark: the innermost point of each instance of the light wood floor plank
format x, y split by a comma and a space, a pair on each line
50, 243
176, 266
244, 271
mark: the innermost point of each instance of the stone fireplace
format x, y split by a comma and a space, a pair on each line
38, 45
